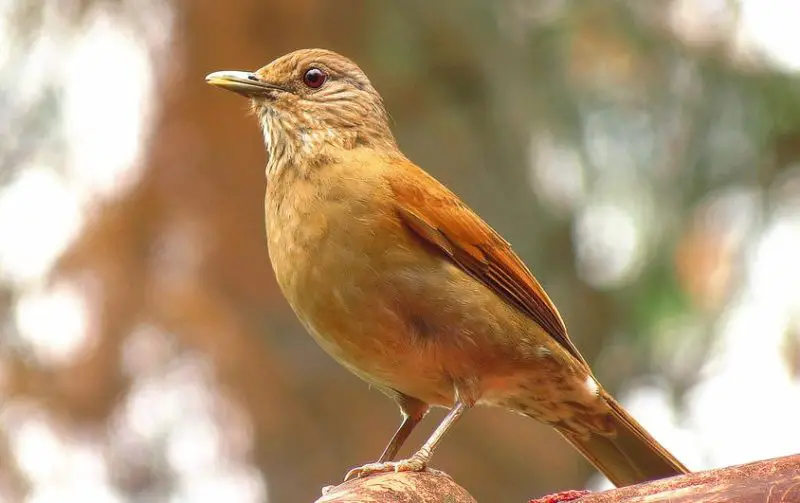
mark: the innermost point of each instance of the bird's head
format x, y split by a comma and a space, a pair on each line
309, 100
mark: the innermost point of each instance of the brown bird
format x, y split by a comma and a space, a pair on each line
403, 284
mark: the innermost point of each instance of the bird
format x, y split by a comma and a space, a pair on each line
402, 283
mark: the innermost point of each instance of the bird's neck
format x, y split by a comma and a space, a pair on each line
304, 145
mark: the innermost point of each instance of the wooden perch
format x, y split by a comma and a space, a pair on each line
430, 486
770, 481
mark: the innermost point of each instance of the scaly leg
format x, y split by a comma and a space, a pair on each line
413, 411
421, 458
399, 438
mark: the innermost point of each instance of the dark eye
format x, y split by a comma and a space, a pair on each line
314, 78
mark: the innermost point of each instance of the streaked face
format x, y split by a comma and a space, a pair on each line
308, 98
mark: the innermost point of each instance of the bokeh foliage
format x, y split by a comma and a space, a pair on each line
571, 127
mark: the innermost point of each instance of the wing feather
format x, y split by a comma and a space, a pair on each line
440, 218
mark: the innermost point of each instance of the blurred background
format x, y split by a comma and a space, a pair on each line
642, 157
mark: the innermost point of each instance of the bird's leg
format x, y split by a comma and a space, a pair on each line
413, 411
399, 438
420, 459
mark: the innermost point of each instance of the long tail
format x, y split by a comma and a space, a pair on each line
631, 456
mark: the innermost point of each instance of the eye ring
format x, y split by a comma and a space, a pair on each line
314, 78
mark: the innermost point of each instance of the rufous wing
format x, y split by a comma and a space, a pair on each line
440, 218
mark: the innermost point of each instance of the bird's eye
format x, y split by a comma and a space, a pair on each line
314, 78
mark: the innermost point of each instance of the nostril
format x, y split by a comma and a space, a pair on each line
252, 77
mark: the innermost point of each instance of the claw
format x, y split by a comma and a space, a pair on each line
413, 464
367, 469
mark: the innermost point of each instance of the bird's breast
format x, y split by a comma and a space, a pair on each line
391, 309
339, 253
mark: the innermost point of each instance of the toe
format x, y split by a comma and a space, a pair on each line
410, 465
353, 474
363, 471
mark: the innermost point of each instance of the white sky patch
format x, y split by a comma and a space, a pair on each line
59, 467
54, 322
5, 33
37, 448
107, 85
774, 272
760, 28
608, 244
195, 446
557, 173
39, 216
37, 69
75, 492
741, 408
702, 21
770, 27
155, 405
232, 483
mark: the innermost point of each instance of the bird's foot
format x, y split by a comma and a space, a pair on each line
415, 463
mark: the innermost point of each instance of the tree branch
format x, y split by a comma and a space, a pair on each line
769, 481
430, 486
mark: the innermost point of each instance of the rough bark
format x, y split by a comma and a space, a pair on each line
430, 486
769, 481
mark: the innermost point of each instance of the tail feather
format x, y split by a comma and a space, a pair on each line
631, 456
